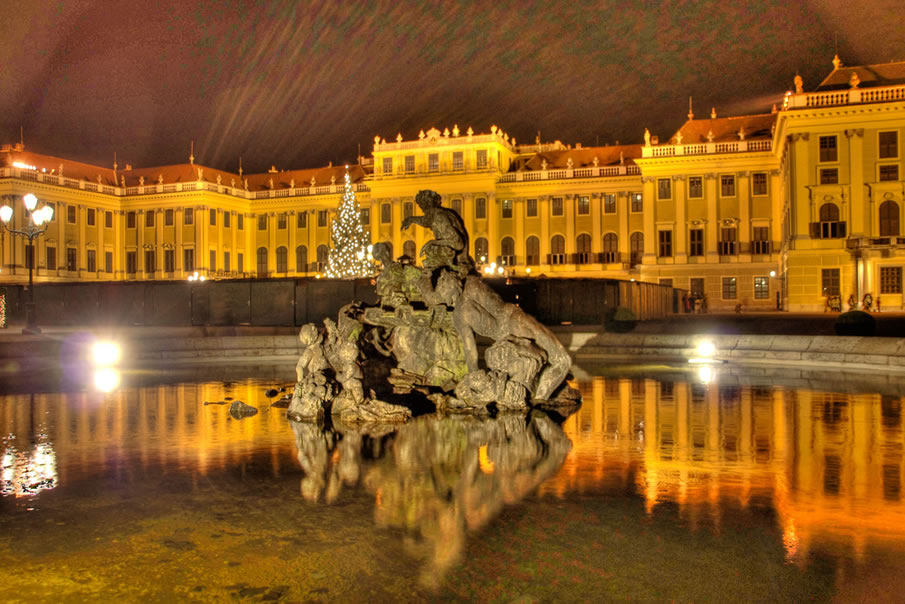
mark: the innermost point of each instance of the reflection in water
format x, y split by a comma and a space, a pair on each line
436, 478
817, 474
829, 464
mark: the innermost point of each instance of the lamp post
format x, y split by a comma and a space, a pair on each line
35, 224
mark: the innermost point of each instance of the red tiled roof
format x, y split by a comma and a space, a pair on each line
883, 74
726, 128
581, 158
181, 173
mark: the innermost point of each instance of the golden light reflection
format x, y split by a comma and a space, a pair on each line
484, 461
829, 464
107, 379
25, 474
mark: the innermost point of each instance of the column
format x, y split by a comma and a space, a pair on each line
312, 236
649, 217
776, 199
119, 247
101, 221
570, 202
622, 211
292, 259
744, 212
178, 225
543, 211
596, 234
518, 212
271, 242
234, 242
83, 240
396, 227
219, 243
158, 244
680, 193
468, 218
493, 227
860, 225
711, 232
139, 242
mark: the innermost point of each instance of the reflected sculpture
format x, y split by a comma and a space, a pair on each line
416, 350
435, 478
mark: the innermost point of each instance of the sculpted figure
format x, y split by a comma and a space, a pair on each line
342, 354
313, 390
449, 247
395, 283
477, 309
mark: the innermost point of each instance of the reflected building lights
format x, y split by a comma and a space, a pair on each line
24, 474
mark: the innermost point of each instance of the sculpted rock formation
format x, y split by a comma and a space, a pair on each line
416, 351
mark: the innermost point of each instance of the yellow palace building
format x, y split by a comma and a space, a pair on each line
786, 208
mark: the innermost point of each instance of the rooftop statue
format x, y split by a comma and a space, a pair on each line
415, 351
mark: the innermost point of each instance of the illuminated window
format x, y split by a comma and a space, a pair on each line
610, 248
227, 216
664, 188
760, 240
557, 206
409, 164
480, 249
829, 279
695, 187
889, 219
531, 208
728, 245
282, 260
665, 243
481, 158
262, 222
889, 172
609, 203
322, 218
213, 214
507, 208
458, 160
188, 217
761, 288
433, 162
759, 183
168, 217
828, 151
149, 218
636, 202
281, 220
890, 279
729, 288
130, 220
584, 205
889, 145
829, 176
70, 214
91, 216
301, 219
480, 207
727, 185
696, 286
386, 213
532, 251
188, 260
696, 242
387, 165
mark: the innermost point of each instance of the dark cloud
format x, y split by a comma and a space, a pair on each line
300, 84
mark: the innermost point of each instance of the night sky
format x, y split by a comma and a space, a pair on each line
300, 84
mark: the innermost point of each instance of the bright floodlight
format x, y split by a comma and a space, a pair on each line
48, 213
499, 270
6, 213
30, 201
39, 217
106, 353
706, 349
772, 273
106, 379
705, 374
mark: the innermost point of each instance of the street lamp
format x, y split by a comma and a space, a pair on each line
36, 223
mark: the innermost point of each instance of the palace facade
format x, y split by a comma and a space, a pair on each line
782, 209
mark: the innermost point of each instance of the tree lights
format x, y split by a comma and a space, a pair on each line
350, 256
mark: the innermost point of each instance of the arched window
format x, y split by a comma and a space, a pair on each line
532, 250
830, 226
636, 245
323, 254
301, 259
889, 219
583, 248
282, 260
558, 250
507, 251
262, 262
610, 248
408, 249
481, 250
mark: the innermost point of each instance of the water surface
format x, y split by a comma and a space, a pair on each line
665, 485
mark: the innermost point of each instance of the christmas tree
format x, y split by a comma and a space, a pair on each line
350, 256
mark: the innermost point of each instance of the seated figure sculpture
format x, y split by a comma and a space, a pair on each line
449, 247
